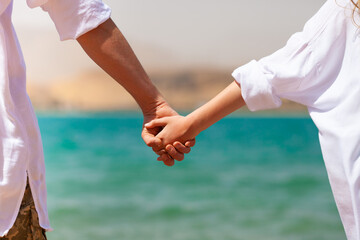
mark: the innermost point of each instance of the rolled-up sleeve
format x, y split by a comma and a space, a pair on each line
256, 89
73, 18
264, 82
291, 71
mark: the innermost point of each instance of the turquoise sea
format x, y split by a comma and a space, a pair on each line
248, 178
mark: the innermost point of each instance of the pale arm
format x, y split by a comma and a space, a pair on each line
226, 102
180, 129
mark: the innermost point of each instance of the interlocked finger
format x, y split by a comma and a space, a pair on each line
170, 149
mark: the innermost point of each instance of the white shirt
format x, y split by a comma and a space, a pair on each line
319, 67
21, 153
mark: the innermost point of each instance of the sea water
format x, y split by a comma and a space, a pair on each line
246, 178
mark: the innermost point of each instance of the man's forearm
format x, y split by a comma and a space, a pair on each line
106, 46
109, 49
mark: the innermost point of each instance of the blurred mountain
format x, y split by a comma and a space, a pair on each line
96, 91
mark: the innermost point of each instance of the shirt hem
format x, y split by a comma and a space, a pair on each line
13, 219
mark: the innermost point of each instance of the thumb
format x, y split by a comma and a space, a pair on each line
156, 123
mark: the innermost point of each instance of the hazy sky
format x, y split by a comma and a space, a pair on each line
171, 34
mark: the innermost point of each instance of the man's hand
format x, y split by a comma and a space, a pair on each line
107, 46
175, 151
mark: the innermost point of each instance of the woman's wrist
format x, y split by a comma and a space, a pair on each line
194, 124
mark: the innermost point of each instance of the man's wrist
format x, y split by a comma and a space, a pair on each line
157, 108
150, 105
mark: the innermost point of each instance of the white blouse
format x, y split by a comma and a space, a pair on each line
21, 152
319, 68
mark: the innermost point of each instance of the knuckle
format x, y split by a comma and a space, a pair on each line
156, 149
185, 151
170, 163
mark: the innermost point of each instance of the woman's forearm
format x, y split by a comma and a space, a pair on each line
226, 102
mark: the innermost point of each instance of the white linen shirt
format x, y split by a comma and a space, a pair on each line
319, 68
21, 152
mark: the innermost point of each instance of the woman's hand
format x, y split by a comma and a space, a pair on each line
175, 134
177, 150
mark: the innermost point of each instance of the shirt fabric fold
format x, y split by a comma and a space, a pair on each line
318, 68
21, 153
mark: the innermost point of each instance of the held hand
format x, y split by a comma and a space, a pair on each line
148, 134
175, 151
175, 130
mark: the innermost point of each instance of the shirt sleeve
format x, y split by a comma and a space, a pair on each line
298, 69
73, 18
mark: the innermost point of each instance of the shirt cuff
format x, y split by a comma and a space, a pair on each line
74, 18
256, 89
